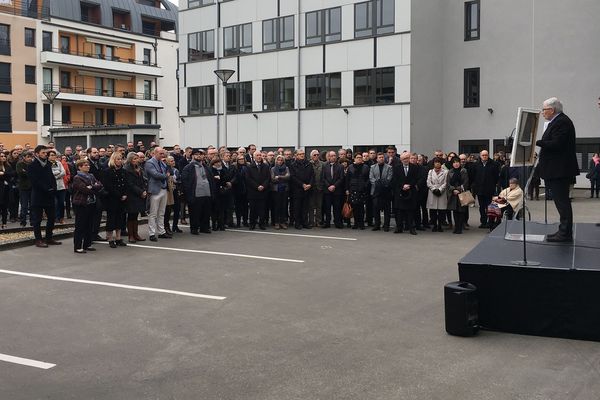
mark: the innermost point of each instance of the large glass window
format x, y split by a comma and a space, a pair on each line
5, 39
46, 41
471, 95
65, 115
199, 3
324, 26
29, 37
147, 90
147, 56
324, 90
47, 78
201, 45
65, 79
278, 33
30, 112
65, 44
278, 94
5, 81
201, 100
472, 20
30, 74
5, 117
239, 97
374, 86
373, 17
237, 40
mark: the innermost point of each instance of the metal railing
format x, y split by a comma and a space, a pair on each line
64, 50
79, 125
29, 9
101, 92
90, 19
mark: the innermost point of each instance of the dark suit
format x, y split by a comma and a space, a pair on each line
257, 175
558, 167
484, 185
43, 190
405, 201
301, 173
333, 175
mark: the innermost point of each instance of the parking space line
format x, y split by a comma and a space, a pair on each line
25, 361
110, 284
292, 234
215, 253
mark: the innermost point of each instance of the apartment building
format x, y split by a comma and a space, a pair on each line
19, 22
108, 72
308, 73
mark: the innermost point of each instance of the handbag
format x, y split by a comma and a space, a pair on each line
466, 198
347, 209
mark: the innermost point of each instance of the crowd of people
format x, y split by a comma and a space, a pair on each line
218, 188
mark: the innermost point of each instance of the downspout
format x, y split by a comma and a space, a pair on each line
298, 75
218, 92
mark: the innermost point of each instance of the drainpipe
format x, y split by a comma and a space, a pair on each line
218, 92
298, 75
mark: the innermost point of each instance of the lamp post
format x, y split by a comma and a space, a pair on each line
51, 94
224, 75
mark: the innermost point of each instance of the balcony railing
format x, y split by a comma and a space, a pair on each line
101, 92
81, 125
90, 19
64, 50
25, 9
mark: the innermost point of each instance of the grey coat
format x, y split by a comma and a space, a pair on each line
380, 181
437, 181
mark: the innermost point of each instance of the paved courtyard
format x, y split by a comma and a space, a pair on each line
319, 314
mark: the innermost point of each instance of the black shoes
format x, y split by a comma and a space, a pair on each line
376, 228
177, 230
120, 243
386, 228
398, 230
165, 236
558, 237
413, 231
194, 232
153, 238
112, 244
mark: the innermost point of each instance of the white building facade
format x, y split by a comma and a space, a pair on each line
308, 73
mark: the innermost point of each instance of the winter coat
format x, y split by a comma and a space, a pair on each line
257, 175
380, 182
23, 182
136, 185
405, 199
357, 179
453, 200
301, 173
486, 178
284, 180
6, 182
318, 169
43, 184
59, 173
437, 181
115, 183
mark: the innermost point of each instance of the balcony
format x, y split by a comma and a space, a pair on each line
100, 62
93, 95
29, 9
78, 128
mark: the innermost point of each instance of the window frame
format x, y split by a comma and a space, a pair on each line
325, 99
47, 38
30, 108
278, 94
5, 48
471, 100
469, 22
29, 33
373, 25
200, 3
323, 22
6, 78
278, 26
374, 87
6, 120
238, 36
202, 40
28, 74
202, 108
238, 92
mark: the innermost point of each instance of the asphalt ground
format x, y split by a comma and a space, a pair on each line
327, 319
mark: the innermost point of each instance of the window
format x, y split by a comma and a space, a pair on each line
201, 45
30, 112
201, 100
46, 114
65, 79
472, 20
237, 40
471, 96
109, 87
147, 56
47, 78
324, 90
4, 39
90, 13
199, 3
99, 116
5, 81
373, 17
109, 52
147, 90
110, 116
30, 74
278, 94
5, 117
324, 26
46, 41
374, 86
148, 117
29, 37
65, 44
278, 33
98, 51
66, 115
239, 97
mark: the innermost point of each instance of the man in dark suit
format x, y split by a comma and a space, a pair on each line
558, 164
258, 178
487, 173
333, 190
43, 191
302, 180
404, 184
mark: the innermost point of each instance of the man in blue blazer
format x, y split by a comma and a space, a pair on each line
157, 173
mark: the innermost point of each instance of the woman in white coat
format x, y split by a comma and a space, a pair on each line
61, 190
437, 200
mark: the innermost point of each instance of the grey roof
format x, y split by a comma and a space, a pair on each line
71, 10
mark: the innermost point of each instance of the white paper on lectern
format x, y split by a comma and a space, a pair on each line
523, 149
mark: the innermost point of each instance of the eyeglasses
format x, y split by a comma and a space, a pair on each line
547, 108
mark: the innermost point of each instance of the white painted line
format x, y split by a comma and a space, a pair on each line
215, 253
26, 361
293, 234
117, 285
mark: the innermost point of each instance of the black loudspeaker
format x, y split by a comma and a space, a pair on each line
460, 300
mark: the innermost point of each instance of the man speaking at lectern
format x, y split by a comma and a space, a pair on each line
558, 164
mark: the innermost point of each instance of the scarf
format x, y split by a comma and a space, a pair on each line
596, 160
42, 162
455, 180
279, 170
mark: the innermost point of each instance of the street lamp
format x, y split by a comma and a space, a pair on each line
51, 94
224, 75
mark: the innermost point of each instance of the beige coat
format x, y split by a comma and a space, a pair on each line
513, 197
437, 181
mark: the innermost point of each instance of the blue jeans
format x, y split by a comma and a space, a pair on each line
25, 200
60, 204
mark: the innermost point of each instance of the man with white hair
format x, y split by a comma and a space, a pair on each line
157, 173
558, 164
315, 201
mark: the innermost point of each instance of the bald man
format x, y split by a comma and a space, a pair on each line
486, 173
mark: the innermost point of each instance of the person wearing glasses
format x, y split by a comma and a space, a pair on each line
558, 164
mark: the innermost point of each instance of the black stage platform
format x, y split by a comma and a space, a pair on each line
559, 298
